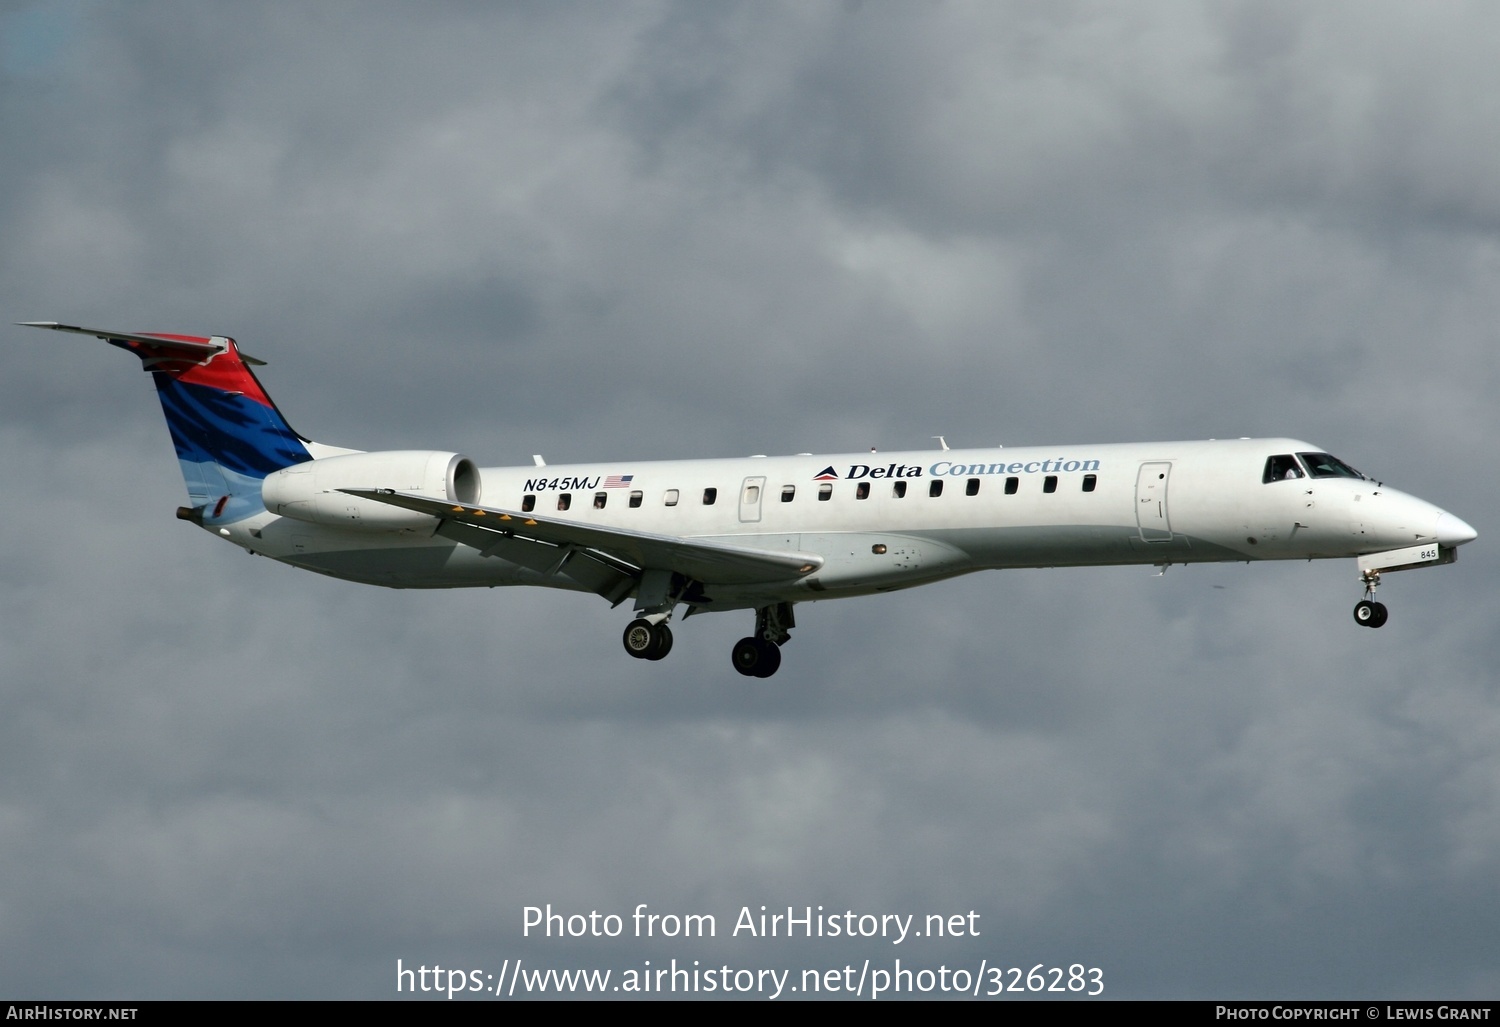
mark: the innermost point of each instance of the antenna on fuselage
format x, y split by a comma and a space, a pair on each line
942, 442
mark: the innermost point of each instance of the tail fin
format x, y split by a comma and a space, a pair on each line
227, 432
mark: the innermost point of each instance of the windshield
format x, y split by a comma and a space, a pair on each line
1324, 465
1281, 468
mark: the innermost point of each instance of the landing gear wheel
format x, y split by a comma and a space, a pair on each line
746, 656
1380, 615
642, 639
755, 657
663, 643
770, 659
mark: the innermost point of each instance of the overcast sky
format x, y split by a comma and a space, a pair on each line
643, 230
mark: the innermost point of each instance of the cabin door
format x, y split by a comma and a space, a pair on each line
1151, 502
751, 493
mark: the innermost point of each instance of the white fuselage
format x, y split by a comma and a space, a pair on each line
883, 521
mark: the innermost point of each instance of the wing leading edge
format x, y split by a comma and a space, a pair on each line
630, 551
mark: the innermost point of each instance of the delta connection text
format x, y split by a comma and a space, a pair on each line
949, 469
764, 922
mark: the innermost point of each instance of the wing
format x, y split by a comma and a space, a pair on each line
625, 550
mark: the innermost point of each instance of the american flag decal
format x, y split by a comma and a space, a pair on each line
618, 481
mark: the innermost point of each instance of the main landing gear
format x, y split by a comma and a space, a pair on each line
755, 657
1367, 612
647, 641
759, 655
658, 593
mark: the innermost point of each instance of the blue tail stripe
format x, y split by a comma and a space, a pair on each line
211, 426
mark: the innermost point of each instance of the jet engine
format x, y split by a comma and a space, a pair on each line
309, 491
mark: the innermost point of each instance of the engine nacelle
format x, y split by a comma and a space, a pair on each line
309, 491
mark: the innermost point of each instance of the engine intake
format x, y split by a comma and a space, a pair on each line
310, 491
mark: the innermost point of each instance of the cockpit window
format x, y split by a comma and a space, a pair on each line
1323, 465
1280, 468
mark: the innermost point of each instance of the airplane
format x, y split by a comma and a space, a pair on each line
757, 533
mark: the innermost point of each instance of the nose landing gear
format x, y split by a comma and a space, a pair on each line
1367, 612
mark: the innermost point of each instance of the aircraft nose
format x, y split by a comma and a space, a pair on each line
1451, 531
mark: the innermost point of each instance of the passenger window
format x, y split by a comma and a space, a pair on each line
752, 494
898, 490
1281, 468
1090, 481
709, 496
936, 488
788, 493
1012, 486
635, 498
564, 500
862, 490
528, 504
825, 492
600, 498
1049, 483
971, 487
671, 497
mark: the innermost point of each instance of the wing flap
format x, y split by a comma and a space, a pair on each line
707, 562
601, 576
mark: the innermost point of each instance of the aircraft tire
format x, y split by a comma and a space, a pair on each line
1381, 615
770, 659
1367, 614
746, 656
640, 639
663, 643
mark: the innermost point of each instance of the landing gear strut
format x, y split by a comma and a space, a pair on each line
657, 593
759, 655
1367, 612
647, 641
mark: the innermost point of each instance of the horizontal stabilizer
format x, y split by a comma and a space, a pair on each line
708, 562
193, 344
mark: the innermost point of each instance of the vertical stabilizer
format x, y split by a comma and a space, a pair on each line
227, 432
